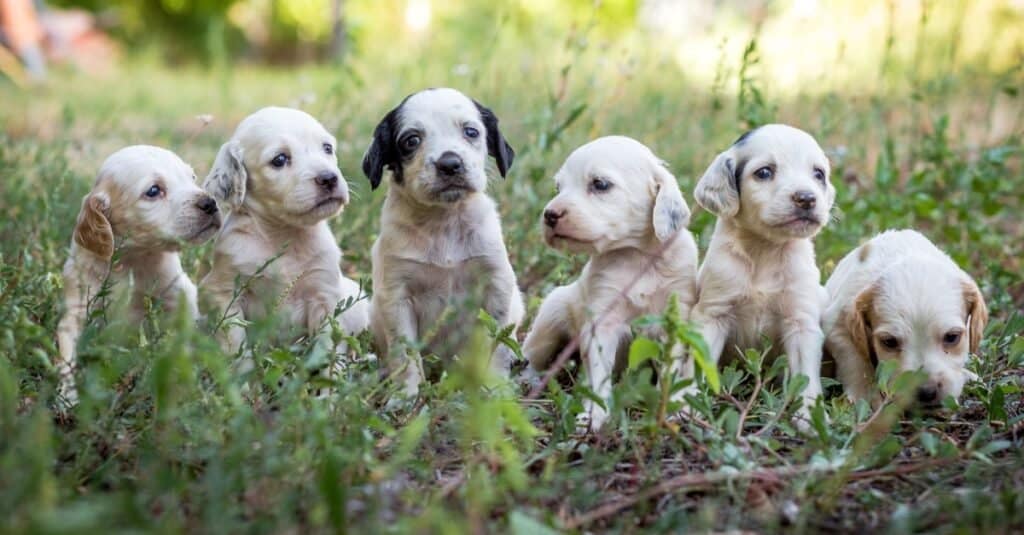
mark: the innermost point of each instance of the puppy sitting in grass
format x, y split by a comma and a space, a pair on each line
279, 178
617, 202
759, 281
899, 298
145, 202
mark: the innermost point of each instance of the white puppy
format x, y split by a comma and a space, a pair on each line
146, 199
618, 202
898, 297
771, 193
440, 248
279, 177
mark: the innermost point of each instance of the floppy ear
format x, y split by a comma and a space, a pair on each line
93, 231
977, 313
670, 210
383, 152
227, 179
717, 190
858, 324
497, 147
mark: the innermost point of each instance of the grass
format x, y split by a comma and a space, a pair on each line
165, 440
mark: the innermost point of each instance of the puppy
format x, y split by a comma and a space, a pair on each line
617, 202
898, 297
440, 247
146, 199
279, 177
771, 193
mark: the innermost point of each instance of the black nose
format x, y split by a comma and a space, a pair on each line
551, 217
327, 180
927, 394
805, 199
449, 164
207, 205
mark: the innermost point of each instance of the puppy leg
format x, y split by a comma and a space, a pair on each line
803, 343
68, 330
395, 312
504, 303
550, 331
227, 316
852, 369
602, 346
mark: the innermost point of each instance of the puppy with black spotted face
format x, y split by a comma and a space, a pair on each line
440, 255
145, 202
279, 177
759, 281
619, 203
899, 298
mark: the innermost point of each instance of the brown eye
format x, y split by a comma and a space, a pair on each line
764, 173
890, 342
280, 160
951, 338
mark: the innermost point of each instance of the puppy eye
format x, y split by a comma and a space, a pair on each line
470, 132
764, 173
600, 184
328, 148
154, 191
890, 342
409, 143
951, 338
280, 160
819, 174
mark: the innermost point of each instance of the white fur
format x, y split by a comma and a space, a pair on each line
149, 229
281, 211
900, 287
440, 247
759, 280
635, 232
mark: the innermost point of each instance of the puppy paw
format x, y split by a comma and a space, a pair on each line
67, 394
592, 419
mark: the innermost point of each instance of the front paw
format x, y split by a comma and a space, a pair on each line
67, 393
592, 419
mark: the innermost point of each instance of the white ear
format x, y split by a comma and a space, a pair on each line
716, 191
670, 210
227, 178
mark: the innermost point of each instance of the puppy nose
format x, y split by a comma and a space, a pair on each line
805, 199
449, 164
207, 205
327, 180
927, 394
551, 217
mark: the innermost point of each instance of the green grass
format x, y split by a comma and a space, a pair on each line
165, 440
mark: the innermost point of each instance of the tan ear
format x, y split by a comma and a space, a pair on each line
670, 210
858, 322
93, 231
716, 191
977, 313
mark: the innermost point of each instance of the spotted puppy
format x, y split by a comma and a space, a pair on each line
145, 199
440, 255
759, 281
899, 298
617, 202
279, 177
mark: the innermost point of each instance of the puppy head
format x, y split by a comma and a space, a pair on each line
612, 193
927, 317
774, 182
436, 143
148, 196
280, 165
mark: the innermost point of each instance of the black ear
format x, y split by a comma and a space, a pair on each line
497, 147
383, 152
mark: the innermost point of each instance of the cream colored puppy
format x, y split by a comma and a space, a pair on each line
146, 199
898, 297
771, 193
279, 177
440, 256
617, 202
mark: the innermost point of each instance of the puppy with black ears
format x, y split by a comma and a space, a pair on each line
278, 175
146, 198
759, 281
440, 249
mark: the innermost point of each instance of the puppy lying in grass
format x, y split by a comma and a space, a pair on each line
617, 202
771, 193
898, 297
145, 202
279, 178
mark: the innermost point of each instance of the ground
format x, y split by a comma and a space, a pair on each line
167, 439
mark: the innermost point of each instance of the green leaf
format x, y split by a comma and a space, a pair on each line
699, 353
520, 523
641, 350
